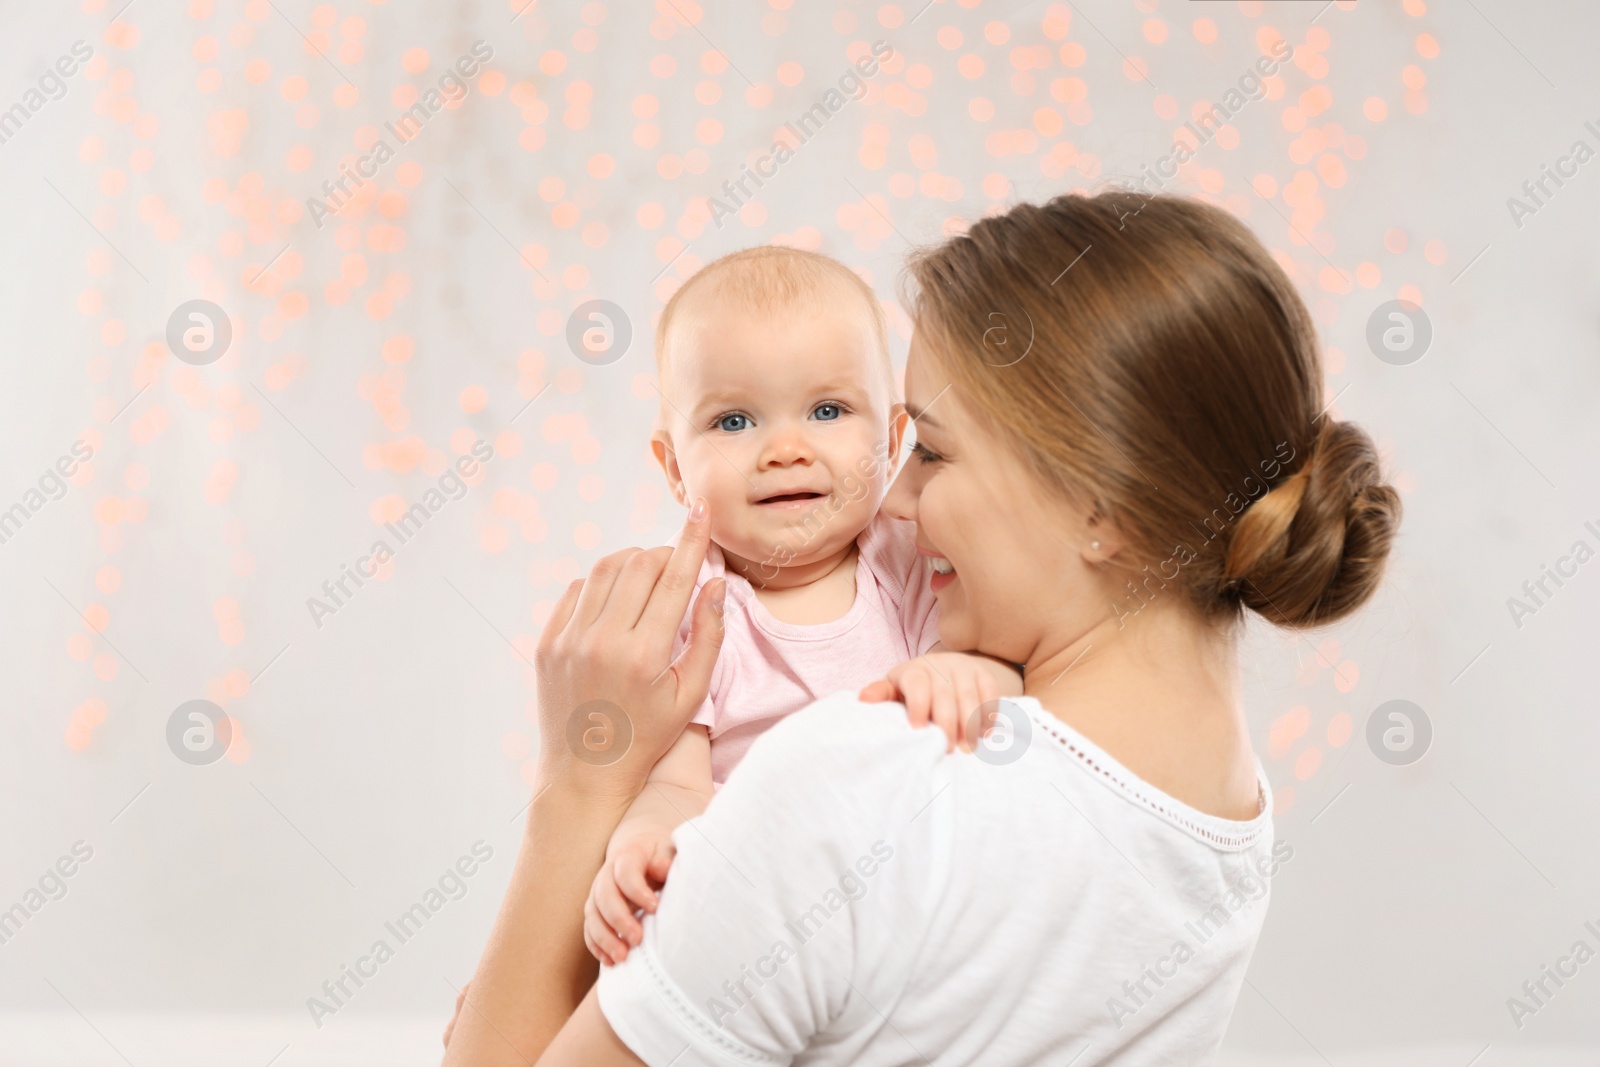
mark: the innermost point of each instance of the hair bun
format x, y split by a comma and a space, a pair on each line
1313, 548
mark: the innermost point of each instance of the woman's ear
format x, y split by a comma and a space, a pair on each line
1101, 539
661, 448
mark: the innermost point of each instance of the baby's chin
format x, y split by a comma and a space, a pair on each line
797, 546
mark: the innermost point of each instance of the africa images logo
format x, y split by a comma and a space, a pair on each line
52, 86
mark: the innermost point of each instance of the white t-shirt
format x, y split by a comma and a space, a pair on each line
854, 895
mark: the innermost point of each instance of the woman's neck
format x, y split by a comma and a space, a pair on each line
1162, 696
1165, 642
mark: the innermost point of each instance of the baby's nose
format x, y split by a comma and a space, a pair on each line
786, 449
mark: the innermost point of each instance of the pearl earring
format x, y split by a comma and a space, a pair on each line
1095, 545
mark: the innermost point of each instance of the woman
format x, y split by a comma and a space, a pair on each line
1120, 447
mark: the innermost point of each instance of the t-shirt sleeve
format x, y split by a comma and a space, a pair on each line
798, 900
890, 545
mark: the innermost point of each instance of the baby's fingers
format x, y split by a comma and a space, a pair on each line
946, 714
617, 912
629, 869
968, 709
601, 939
588, 943
915, 693
983, 719
877, 692
661, 861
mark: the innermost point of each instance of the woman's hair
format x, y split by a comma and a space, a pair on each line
1147, 357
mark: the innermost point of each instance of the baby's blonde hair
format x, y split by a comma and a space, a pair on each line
771, 278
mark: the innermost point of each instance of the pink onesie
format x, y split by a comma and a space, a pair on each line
768, 668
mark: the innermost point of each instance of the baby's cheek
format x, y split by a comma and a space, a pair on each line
722, 487
854, 488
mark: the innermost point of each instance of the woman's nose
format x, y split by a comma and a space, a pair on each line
901, 500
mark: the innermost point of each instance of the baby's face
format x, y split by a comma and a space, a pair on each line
782, 422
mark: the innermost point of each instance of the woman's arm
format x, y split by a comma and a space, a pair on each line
640, 852
606, 652
534, 969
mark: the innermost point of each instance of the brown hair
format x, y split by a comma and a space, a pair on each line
769, 278
1171, 379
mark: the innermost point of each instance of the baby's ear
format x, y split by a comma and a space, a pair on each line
899, 422
661, 448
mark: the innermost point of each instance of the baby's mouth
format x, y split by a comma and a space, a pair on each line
790, 498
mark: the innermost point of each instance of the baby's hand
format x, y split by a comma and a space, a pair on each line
633, 870
950, 688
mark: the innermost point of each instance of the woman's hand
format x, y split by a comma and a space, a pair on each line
952, 689
611, 701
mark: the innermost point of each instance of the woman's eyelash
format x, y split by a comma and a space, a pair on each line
925, 454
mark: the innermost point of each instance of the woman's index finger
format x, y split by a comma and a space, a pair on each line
669, 600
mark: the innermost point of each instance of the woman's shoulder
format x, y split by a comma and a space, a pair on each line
820, 720
842, 749
815, 791
809, 879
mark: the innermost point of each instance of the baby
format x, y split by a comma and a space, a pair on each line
777, 407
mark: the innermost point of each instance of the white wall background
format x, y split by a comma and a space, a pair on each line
375, 750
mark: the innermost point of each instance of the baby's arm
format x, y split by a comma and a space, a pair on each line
640, 851
951, 688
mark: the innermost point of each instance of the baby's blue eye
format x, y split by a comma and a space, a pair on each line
827, 412
733, 423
